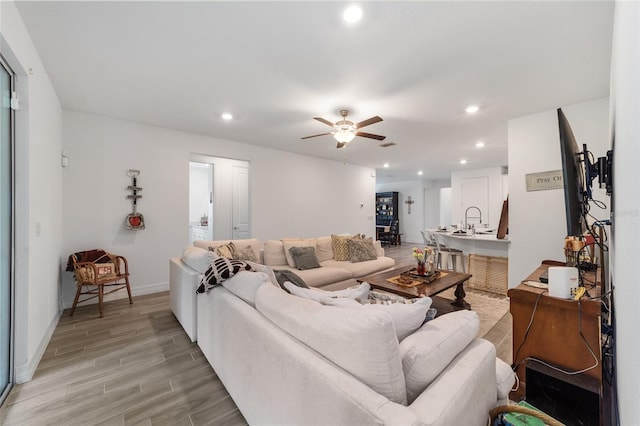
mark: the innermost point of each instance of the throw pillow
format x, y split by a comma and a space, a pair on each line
293, 242
361, 250
406, 317
431, 348
221, 269
340, 248
283, 276
304, 257
247, 254
225, 250
361, 292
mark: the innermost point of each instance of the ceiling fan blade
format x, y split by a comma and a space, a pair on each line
313, 136
370, 136
322, 120
341, 145
368, 122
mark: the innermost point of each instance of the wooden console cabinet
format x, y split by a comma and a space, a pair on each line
560, 333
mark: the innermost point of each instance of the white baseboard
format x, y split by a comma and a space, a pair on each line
25, 372
135, 291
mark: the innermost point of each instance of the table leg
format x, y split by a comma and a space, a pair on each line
460, 294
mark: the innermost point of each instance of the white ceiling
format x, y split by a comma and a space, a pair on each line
275, 65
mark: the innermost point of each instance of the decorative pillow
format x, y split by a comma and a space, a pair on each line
221, 269
340, 248
292, 242
244, 284
430, 349
361, 250
324, 249
406, 317
225, 250
197, 258
361, 292
304, 257
247, 254
291, 277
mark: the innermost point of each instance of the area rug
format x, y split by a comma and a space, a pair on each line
490, 307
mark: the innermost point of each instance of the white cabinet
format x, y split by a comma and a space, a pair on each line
198, 232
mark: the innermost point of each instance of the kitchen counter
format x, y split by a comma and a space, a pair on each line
480, 243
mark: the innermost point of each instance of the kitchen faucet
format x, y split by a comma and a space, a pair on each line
466, 215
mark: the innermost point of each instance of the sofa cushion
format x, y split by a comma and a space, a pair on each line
406, 317
274, 253
324, 248
319, 277
361, 269
361, 250
219, 270
361, 292
196, 258
244, 284
289, 243
304, 257
362, 342
431, 348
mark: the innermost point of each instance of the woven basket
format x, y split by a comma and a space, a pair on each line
489, 273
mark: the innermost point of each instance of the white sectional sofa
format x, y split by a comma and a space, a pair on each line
186, 270
286, 360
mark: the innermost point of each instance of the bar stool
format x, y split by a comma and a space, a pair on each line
449, 256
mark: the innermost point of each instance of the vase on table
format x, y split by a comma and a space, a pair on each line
421, 268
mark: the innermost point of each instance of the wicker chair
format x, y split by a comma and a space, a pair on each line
94, 270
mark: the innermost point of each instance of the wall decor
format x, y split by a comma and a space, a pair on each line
543, 181
135, 220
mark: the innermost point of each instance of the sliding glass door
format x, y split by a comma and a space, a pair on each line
6, 207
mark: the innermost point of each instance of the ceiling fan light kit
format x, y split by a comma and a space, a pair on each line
345, 130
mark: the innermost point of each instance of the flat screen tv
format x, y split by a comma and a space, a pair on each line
573, 176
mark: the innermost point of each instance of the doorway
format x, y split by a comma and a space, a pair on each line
223, 185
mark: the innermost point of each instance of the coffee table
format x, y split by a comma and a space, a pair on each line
445, 280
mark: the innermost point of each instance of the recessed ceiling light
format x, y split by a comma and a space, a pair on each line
227, 116
472, 109
420, 173
386, 165
463, 161
352, 14
479, 144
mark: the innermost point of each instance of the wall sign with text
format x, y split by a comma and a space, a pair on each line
543, 181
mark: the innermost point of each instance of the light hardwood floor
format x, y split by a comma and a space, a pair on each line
136, 366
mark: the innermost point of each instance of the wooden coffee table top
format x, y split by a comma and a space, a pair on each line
447, 279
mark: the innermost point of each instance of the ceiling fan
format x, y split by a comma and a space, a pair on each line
344, 130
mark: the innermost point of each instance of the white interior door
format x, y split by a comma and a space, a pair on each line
240, 202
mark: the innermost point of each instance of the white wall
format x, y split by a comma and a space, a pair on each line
291, 195
491, 216
626, 233
38, 239
537, 224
